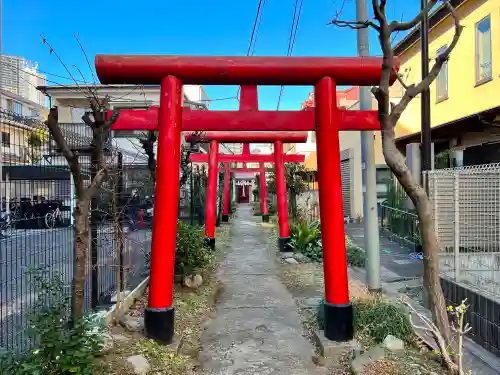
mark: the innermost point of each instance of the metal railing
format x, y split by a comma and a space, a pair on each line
36, 231
400, 224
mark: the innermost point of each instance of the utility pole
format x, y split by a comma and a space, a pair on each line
425, 107
370, 215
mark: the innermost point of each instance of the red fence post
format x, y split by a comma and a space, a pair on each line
284, 229
338, 310
263, 194
159, 315
211, 200
226, 197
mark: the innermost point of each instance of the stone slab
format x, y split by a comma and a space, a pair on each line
334, 350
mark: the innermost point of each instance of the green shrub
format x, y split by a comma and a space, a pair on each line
61, 348
190, 254
257, 209
377, 318
306, 239
380, 318
355, 255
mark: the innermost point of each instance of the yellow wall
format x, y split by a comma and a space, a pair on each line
464, 98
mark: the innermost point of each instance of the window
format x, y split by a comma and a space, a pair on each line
5, 139
10, 105
383, 175
18, 108
442, 78
483, 51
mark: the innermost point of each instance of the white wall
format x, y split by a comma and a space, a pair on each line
121, 97
308, 147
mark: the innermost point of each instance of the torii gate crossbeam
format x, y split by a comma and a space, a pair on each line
246, 156
248, 102
171, 72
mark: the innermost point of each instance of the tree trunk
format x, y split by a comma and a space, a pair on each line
293, 204
430, 247
80, 257
432, 283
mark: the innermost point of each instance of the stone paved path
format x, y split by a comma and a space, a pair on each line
256, 329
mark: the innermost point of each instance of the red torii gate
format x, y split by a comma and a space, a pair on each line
263, 190
325, 73
144, 119
248, 100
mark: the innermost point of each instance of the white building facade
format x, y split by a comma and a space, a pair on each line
21, 77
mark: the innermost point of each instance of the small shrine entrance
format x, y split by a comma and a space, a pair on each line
243, 190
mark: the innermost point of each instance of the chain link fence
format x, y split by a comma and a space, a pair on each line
466, 208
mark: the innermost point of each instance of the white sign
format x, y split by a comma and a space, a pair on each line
243, 183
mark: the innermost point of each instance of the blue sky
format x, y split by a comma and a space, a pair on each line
220, 27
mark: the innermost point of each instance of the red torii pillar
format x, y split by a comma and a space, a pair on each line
263, 187
327, 120
263, 193
225, 196
248, 94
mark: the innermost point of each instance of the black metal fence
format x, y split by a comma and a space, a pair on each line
37, 221
400, 225
37, 218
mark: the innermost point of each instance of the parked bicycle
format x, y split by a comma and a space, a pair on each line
53, 217
6, 225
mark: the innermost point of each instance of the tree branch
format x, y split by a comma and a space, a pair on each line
430, 327
355, 25
148, 147
96, 183
404, 26
72, 159
400, 80
417, 89
107, 125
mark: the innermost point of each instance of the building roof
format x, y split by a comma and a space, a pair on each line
435, 17
476, 122
350, 94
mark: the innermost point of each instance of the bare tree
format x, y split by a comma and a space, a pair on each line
148, 141
100, 125
389, 114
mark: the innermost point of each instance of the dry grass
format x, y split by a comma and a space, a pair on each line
193, 309
306, 280
303, 280
383, 366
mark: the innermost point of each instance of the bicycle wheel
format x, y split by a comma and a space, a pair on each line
9, 230
49, 220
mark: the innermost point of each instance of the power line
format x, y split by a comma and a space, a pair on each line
141, 87
256, 25
253, 42
297, 11
254, 35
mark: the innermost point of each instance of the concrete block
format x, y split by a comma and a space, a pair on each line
334, 350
